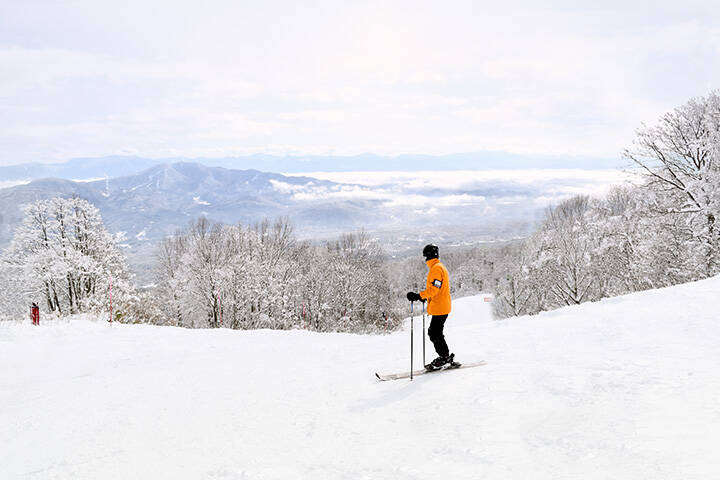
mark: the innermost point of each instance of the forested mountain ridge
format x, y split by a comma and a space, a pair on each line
156, 202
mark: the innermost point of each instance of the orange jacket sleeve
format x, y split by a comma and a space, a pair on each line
432, 287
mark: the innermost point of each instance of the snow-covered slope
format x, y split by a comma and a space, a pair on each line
627, 388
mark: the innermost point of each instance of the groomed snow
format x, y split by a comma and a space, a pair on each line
627, 388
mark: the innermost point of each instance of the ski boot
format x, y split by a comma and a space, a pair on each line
440, 363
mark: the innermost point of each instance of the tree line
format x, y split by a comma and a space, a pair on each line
261, 276
207, 275
657, 232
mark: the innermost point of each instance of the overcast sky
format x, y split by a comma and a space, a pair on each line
160, 79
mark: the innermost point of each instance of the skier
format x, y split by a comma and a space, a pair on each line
35, 314
437, 294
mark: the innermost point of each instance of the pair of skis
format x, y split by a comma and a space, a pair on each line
415, 373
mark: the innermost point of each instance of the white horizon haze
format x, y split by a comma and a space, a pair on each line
173, 79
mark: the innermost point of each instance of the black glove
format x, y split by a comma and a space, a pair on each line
414, 297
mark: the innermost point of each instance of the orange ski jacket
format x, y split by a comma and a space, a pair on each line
437, 289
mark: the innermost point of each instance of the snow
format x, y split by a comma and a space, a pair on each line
623, 388
12, 183
88, 180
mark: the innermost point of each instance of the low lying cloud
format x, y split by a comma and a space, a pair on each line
448, 192
393, 196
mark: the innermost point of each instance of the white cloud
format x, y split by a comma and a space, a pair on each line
401, 77
396, 195
440, 192
434, 202
330, 116
468, 179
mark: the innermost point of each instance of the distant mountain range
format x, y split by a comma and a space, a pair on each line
156, 202
78, 168
115, 166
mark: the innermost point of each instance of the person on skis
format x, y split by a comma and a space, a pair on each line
437, 295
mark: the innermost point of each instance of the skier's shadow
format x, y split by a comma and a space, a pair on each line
394, 393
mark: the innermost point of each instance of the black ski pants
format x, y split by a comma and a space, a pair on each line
435, 332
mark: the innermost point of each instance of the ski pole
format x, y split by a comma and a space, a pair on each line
423, 307
412, 321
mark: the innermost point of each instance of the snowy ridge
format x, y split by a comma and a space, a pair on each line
623, 388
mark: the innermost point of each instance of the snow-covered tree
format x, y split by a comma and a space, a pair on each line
514, 291
65, 258
360, 289
201, 269
14, 298
680, 157
168, 292
566, 255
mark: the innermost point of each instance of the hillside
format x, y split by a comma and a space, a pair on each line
623, 388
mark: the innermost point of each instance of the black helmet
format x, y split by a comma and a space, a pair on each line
430, 251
